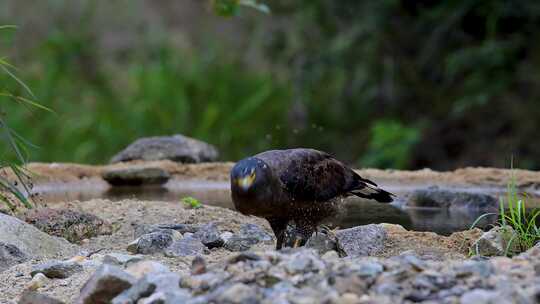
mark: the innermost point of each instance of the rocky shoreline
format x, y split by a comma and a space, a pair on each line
159, 252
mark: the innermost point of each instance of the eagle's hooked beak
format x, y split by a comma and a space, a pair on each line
246, 181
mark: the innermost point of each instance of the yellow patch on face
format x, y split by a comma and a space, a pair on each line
247, 181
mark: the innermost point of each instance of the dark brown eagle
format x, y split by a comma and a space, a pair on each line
300, 185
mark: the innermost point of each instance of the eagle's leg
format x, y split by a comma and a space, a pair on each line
304, 230
279, 226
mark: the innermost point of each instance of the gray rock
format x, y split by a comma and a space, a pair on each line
181, 228
57, 269
32, 297
209, 235
369, 269
204, 282
237, 293
225, 236
330, 256
410, 258
153, 242
496, 242
167, 297
256, 232
240, 243
298, 265
106, 283
361, 240
322, 242
148, 285
388, 288
302, 261
136, 175
38, 280
532, 253
177, 148
10, 255
120, 259
32, 241
435, 197
471, 268
247, 236
72, 225
480, 296
187, 246
245, 256
143, 268
198, 265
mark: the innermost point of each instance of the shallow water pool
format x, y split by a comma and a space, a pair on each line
355, 211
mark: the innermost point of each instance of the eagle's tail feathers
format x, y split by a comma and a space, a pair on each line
375, 193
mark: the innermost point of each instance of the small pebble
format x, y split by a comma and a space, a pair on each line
198, 265
38, 281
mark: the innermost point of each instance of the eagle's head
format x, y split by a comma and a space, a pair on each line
250, 175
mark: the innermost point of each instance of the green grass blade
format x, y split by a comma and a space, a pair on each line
11, 141
21, 83
478, 219
26, 101
509, 245
7, 64
4, 183
502, 212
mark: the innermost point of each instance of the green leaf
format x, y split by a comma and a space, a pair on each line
225, 8
191, 202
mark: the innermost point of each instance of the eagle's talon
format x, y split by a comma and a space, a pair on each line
297, 243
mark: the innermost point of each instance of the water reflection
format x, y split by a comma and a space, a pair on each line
439, 220
355, 211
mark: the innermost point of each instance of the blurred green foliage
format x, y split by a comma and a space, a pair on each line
391, 145
101, 111
460, 78
401, 84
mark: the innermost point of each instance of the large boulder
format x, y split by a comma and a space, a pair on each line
177, 148
30, 240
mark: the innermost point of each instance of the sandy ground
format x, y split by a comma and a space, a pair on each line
125, 215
